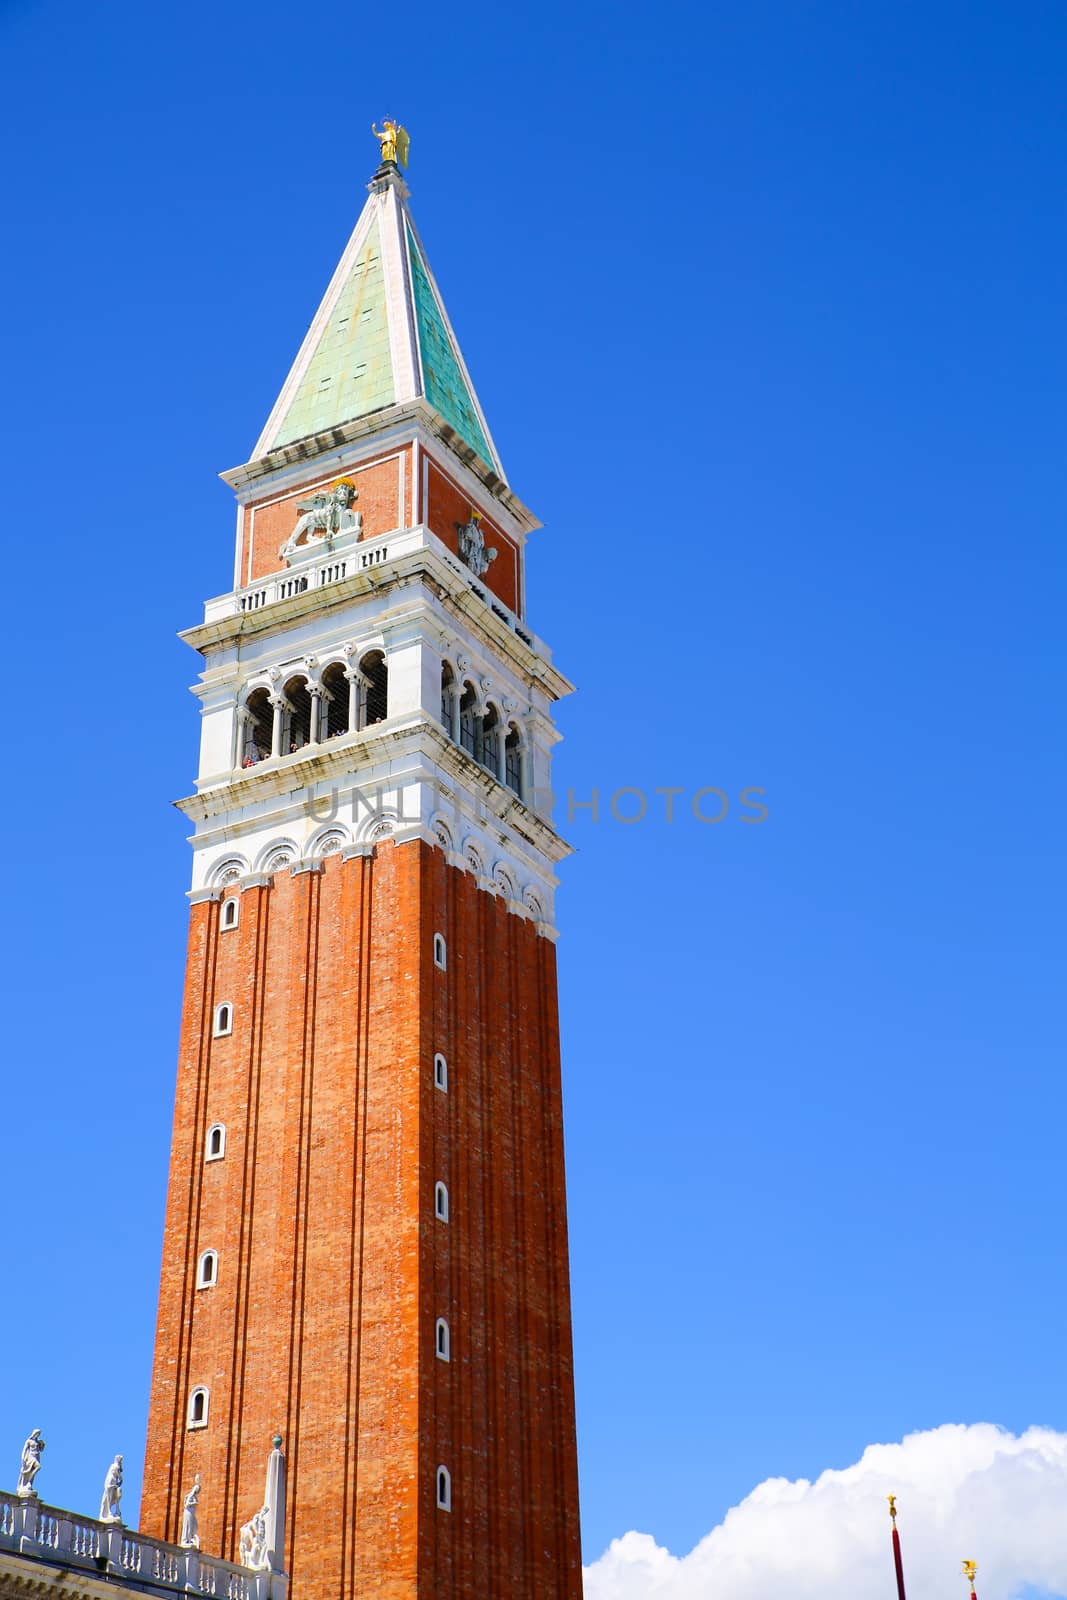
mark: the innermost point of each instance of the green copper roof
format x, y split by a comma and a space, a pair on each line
380, 338
351, 371
443, 381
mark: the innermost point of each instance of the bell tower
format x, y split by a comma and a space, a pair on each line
366, 1248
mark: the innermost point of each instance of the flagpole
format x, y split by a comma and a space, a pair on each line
897, 1558
969, 1570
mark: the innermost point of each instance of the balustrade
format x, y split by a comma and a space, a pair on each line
348, 557
29, 1528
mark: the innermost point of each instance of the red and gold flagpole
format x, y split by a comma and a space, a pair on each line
969, 1570
897, 1560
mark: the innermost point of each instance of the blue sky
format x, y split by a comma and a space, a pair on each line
765, 307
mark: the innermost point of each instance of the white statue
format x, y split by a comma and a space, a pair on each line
472, 545
325, 515
109, 1502
190, 1537
30, 1465
253, 1552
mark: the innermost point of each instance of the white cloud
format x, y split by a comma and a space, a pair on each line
962, 1491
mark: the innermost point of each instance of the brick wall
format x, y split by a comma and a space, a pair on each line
384, 489
332, 1266
447, 506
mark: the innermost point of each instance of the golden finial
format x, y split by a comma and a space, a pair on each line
394, 141
969, 1570
892, 1507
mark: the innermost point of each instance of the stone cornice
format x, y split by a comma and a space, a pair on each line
374, 752
451, 589
23, 1576
414, 414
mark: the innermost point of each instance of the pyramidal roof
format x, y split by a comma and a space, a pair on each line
380, 337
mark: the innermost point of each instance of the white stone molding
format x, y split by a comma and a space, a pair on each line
229, 871
472, 855
331, 841
533, 904
442, 832
383, 825
276, 855
504, 881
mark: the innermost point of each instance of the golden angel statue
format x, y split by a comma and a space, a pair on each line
394, 140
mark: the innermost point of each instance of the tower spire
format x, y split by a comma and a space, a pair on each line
381, 335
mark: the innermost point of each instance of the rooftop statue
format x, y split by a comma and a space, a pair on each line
30, 1465
325, 515
112, 1495
394, 140
253, 1547
190, 1536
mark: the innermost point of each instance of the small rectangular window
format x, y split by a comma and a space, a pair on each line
196, 1416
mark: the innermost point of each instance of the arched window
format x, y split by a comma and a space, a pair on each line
215, 1143
440, 1072
376, 689
448, 700
296, 727
489, 755
196, 1416
440, 1202
257, 726
444, 1489
442, 1341
440, 952
469, 721
334, 713
230, 915
513, 761
223, 1019
207, 1270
